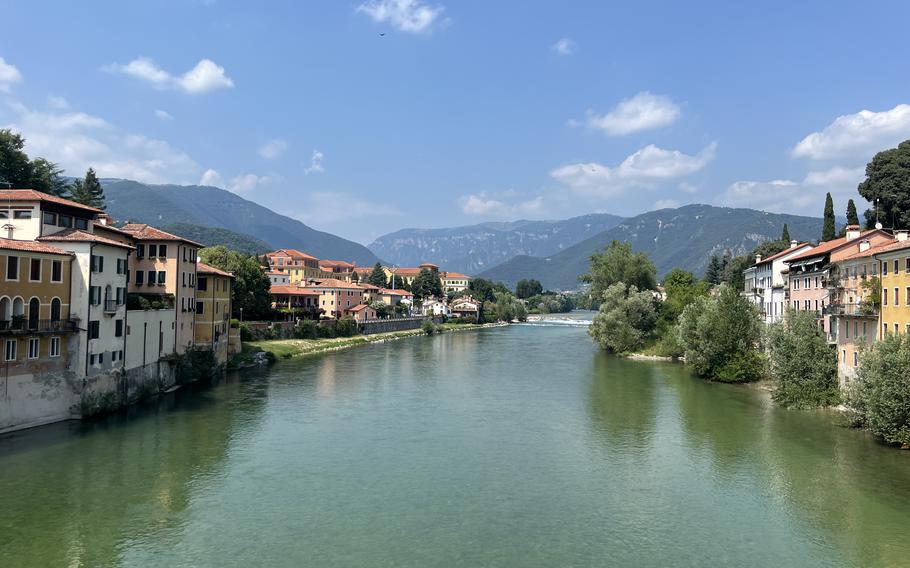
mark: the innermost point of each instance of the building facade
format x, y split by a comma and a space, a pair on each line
213, 309
769, 279
895, 292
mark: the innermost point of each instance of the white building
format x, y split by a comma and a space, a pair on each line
435, 308
769, 282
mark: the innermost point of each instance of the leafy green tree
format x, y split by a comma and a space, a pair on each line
720, 337
427, 284
507, 308
377, 276
17, 172
880, 395
829, 230
48, 177
873, 295
88, 191
785, 235
485, 290
625, 319
251, 285
803, 366
527, 288
618, 263
714, 274
852, 217
886, 183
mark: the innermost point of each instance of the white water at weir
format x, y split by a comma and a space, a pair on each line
577, 318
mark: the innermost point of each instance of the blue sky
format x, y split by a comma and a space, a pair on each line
464, 111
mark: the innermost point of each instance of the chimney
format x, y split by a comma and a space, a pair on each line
757, 258
852, 232
864, 245
104, 219
793, 244
902, 236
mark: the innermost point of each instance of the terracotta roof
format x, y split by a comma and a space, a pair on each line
293, 253
396, 292
33, 195
144, 232
874, 249
112, 229
335, 283
406, 271
276, 272
287, 290
31, 246
357, 308
363, 269
457, 275
775, 256
899, 245
369, 287
428, 265
79, 236
204, 268
828, 246
336, 263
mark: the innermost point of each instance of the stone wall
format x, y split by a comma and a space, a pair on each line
387, 325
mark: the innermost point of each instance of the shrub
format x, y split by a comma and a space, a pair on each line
346, 327
235, 323
803, 366
306, 329
195, 365
625, 319
428, 327
880, 395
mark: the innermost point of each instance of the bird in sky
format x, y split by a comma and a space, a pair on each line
381, 34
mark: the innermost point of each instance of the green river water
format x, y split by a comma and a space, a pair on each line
518, 446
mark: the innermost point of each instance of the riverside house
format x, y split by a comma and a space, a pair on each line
213, 309
895, 271
766, 282
299, 266
336, 296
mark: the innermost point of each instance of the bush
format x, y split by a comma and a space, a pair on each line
625, 319
803, 366
880, 395
195, 365
245, 333
720, 337
235, 323
306, 329
429, 327
346, 327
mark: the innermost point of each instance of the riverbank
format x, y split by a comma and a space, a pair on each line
290, 348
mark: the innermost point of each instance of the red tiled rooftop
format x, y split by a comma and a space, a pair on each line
33, 195
785, 252
874, 249
286, 290
31, 246
358, 307
899, 245
336, 263
336, 283
144, 232
79, 236
203, 268
829, 246
395, 292
293, 253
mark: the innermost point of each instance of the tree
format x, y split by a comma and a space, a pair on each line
16, 171
250, 290
885, 186
88, 191
715, 271
829, 230
720, 337
427, 284
377, 276
803, 366
48, 177
617, 263
880, 395
852, 217
527, 288
785, 235
625, 319
485, 290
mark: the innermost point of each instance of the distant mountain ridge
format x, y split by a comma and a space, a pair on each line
206, 206
686, 237
475, 248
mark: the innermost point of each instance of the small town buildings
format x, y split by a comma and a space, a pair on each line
299, 266
213, 309
453, 282
361, 312
435, 308
392, 297
165, 263
406, 275
26, 214
299, 299
337, 269
895, 277
766, 282
278, 278
336, 296
466, 307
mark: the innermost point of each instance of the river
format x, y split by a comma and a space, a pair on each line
518, 446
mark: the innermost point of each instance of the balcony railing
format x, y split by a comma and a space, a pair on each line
38, 326
110, 306
857, 310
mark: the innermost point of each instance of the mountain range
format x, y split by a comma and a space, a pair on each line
686, 237
211, 207
475, 248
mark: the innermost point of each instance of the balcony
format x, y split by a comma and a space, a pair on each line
38, 326
110, 306
855, 310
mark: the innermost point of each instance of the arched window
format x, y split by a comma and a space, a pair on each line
34, 311
55, 309
18, 307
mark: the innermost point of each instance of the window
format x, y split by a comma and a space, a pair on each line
94, 329
4, 213
10, 352
100, 358
118, 328
199, 308
140, 252
121, 266
34, 347
82, 224
34, 273
22, 214
12, 268
907, 301
55, 309
907, 265
93, 359
162, 275
65, 221
897, 299
121, 296
97, 263
153, 251
162, 251
855, 359
140, 277
152, 274
897, 266
885, 268
56, 271
884, 296
94, 295
183, 279
896, 329
202, 284
50, 218
847, 330
55, 347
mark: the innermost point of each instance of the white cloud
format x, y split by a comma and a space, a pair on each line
504, 205
666, 204
211, 177
315, 166
858, 135
565, 46
57, 103
404, 15
8, 75
163, 114
204, 77
644, 111
642, 169
247, 182
272, 149
332, 207
77, 141
687, 187
806, 197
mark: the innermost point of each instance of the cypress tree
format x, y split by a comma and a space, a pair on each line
88, 191
377, 277
852, 217
829, 231
785, 235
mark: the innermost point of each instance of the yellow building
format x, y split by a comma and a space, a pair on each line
299, 266
895, 274
213, 309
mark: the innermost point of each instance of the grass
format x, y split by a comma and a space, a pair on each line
288, 348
